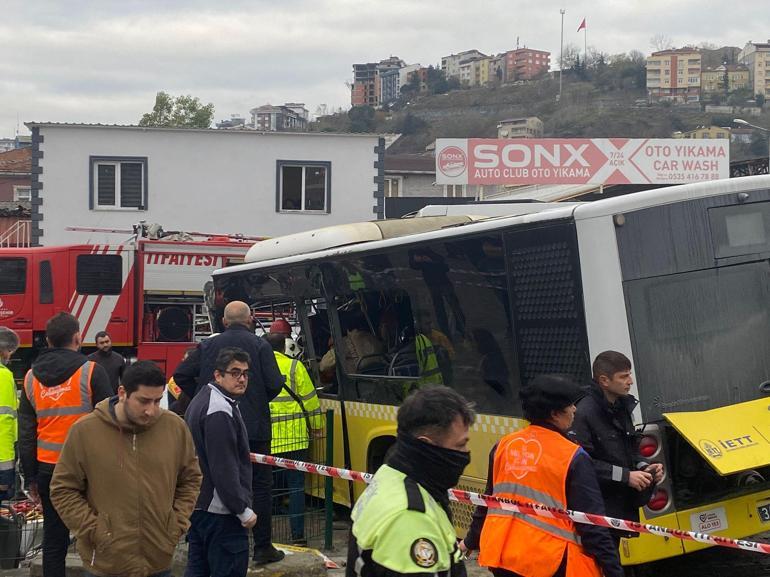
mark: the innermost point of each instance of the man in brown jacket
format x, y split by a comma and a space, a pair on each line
127, 480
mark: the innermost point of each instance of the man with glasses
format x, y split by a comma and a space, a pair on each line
218, 537
265, 382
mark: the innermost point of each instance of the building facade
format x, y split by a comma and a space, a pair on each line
674, 75
526, 64
292, 116
529, 127
705, 132
365, 90
474, 71
217, 181
450, 65
756, 57
724, 78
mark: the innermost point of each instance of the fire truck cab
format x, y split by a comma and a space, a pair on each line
147, 294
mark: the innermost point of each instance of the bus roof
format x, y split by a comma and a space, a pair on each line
357, 233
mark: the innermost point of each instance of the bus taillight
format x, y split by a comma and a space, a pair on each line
648, 446
659, 500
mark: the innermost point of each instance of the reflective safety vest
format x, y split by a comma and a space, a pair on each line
8, 423
399, 526
430, 372
289, 422
57, 408
531, 465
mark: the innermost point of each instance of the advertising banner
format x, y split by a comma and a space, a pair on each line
581, 160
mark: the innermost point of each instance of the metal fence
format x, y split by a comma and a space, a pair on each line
21, 532
302, 504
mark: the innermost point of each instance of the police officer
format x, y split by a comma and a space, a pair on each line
402, 524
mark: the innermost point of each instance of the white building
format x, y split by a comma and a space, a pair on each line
451, 64
214, 181
756, 57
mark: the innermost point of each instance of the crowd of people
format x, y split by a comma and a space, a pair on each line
128, 479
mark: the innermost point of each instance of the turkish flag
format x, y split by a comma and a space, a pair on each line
582, 25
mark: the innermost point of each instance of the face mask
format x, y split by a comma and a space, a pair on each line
435, 468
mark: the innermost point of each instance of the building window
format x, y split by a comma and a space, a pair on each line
304, 186
454, 190
393, 186
22, 193
118, 183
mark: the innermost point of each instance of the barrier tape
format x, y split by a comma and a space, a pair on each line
538, 509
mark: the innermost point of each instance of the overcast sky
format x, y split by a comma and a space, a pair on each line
103, 61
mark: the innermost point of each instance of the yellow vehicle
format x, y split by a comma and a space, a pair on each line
677, 279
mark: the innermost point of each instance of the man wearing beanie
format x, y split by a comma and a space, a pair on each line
402, 524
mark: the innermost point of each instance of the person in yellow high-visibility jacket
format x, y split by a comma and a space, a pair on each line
293, 425
9, 404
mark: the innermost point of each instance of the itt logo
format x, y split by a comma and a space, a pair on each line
711, 449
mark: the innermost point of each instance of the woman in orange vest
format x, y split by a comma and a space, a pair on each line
539, 464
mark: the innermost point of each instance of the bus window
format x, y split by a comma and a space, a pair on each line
429, 315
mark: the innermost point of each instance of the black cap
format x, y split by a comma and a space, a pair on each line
546, 393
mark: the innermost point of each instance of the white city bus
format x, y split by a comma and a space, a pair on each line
678, 279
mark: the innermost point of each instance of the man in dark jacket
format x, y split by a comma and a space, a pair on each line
604, 427
58, 376
265, 382
112, 362
219, 539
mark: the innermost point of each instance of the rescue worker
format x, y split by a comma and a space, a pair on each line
9, 342
540, 464
402, 524
295, 415
62, 386
430, 372
604, 427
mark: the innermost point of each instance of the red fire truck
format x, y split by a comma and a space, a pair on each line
147, 294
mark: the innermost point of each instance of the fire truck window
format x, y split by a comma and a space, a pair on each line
13, 276
46, 283
99, 274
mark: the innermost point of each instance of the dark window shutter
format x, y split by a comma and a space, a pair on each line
106, 185
13, 276
99, 274
46, 283
131, 184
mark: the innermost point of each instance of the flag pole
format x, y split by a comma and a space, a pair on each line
561, 51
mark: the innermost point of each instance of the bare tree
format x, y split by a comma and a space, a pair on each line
570, 56
321, 110
661, 41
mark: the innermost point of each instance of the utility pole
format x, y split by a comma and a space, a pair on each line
561, 51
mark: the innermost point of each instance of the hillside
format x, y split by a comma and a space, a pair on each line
586, 110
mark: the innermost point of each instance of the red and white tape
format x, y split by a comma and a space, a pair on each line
527, 508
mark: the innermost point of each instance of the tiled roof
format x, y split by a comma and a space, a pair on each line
15, 208
18, 160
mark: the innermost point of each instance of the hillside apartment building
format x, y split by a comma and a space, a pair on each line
674, 75
756, 57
